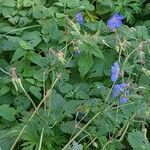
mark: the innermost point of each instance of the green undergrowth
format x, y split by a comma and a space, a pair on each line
56, 91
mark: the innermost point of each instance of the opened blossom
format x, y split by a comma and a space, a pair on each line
122, 91
115, 21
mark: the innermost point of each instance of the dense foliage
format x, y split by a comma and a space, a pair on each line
74, 74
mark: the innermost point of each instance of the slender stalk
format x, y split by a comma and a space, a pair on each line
41, 139
33, 114
20, 84
5, 71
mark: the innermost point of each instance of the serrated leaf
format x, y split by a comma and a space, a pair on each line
85, 62
33, 38
17, 54
40, 12
25, 45
35, 91
7, 112
22, 103
67, 127
5, 89
138, 141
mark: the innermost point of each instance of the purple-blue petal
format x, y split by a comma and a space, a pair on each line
114, 77
120, 17
115, 15
79, 18
116, 65
115, 72
111, 25
116, 90
115, 21
113, 69
118, 23
123, 100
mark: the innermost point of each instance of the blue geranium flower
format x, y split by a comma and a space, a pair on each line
79, 18
123, 100
115, 70
115, 21
121, 89
116, 90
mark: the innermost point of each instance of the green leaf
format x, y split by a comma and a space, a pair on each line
35, 91
5, 89
25, 45
95, 50
9, 3
138, 141
22, 103
36, 58
7, 112
85, 62
33, 38
17, 54
50, 28
40, 12
67, 127
91, 48
39, 75
65, 87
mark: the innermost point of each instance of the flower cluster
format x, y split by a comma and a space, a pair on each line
115, 21
79, 18
122, 91
119, 89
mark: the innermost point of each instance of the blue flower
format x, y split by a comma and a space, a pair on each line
123, 100
79, 18
121, 89
116, 90
115, 70
115, 21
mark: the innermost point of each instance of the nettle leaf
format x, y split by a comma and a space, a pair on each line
39, 75
65, 87
33, 38
29, 3
25, 45
67, 127
36, 58
41, 12
9, 3
35, 91
142, 32
103, 8
9, 44
85, 62
17, 54
5, 89
138, 141
97, 69
7, 112
70, 107
92, 48
22, 103
50, 28
70, 4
